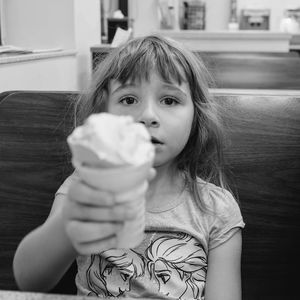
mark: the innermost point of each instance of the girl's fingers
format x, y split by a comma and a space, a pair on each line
133, 194
81, 193
84, 194
88, 232
97, 246
117, 213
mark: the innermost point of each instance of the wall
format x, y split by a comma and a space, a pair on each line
66, 24
145, 16
87, 32
217, 15
39, 23
57, 74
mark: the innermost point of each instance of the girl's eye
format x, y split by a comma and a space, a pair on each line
169, 101
128, 100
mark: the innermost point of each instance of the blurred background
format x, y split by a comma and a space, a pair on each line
51, 44
251, 47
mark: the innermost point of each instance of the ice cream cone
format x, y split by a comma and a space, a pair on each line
129, 184
114, 154
132, 233
116, 180
83, 155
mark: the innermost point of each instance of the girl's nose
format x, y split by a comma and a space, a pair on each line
149, 117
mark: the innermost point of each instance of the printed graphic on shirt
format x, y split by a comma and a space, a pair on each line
174, 265
111, 271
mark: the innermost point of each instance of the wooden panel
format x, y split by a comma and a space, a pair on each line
33, 163
263, 153
247, 70
264, 156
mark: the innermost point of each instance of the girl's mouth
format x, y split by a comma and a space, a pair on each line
155, 141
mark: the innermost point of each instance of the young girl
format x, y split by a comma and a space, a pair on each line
192, 243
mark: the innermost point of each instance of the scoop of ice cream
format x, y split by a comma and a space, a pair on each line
108, 140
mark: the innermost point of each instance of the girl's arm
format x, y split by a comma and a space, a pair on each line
223, 281
83, 221
45, 254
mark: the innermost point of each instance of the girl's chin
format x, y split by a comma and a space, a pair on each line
161, 163
158, 164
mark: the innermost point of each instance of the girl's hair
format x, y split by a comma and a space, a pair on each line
134, 61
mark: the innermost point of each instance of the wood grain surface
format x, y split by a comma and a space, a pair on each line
243, 70
263, 153
33, 163
250, 71
16, 295
264, 157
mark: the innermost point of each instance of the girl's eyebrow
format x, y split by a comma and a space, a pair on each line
174, 88
134, 85
124, 86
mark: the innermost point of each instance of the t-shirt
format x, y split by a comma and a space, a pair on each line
171, 262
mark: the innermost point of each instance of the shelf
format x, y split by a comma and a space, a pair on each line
238, 41
16, 58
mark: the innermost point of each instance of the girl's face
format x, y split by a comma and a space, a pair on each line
165, 109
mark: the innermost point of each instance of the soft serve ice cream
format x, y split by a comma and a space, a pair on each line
115, 154
108, 140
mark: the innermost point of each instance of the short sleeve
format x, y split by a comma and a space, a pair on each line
62, 192
227, 219
63, 189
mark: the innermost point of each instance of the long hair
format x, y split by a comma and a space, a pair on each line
202, 156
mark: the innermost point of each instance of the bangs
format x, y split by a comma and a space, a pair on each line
137, 62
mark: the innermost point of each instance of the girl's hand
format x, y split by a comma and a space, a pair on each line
92, 218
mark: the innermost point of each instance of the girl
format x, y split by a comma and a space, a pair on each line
165, 87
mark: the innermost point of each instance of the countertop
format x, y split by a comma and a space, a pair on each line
16, 295
240, 40
16, 58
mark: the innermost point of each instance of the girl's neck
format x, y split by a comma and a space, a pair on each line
167, 182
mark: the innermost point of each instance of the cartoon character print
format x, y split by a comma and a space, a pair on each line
179, 266
177, 263
111, 271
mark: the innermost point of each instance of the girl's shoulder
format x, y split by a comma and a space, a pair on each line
225, 217
218, 200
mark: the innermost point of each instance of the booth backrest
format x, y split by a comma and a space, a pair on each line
263, 155
242, 70
34, 161
253, 71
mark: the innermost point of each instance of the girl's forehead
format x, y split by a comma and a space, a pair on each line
153, 76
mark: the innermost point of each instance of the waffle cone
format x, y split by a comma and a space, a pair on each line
115, 180
129, 184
